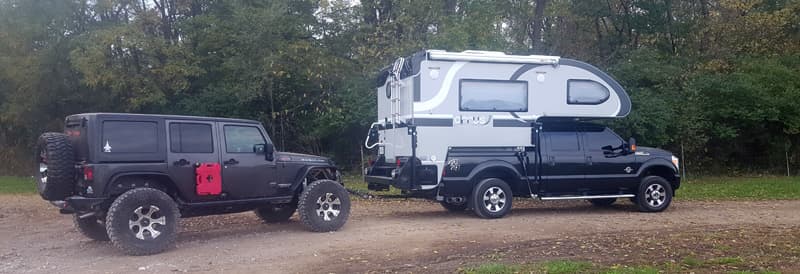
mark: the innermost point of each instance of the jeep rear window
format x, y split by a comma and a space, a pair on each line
190, 138
129, 137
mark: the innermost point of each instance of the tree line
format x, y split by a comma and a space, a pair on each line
716, 80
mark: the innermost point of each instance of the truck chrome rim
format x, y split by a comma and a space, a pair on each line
145, 222
328, 206
655, 195
494, 199
43, 167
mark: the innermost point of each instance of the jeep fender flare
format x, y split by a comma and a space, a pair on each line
162, 180
306, 170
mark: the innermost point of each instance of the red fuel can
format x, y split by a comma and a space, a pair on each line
209, 179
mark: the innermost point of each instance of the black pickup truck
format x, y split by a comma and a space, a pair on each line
129, 178
565, 160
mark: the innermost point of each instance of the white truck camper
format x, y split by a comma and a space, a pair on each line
435, 100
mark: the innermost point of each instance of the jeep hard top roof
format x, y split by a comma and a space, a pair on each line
128, 116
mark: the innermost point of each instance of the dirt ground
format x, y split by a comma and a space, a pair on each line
418, 236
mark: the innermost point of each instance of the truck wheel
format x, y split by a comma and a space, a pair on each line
602, 202
492, 198
276, 213
56, 166
92, 227
324, 206
655, 194
142, 221
452, 207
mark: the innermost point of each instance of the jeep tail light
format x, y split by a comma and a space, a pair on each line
398, 162
88, 173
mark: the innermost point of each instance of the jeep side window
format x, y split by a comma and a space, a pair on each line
191, 138
241, 139
597, 139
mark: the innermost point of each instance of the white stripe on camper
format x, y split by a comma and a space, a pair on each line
442, 94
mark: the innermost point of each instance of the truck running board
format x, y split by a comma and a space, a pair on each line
587, 197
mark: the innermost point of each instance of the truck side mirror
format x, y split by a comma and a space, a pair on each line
631, 145
269, 151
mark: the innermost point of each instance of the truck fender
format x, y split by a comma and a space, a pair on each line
492, 166
655, 162
660, 167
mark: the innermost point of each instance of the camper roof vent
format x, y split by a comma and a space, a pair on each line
491, 56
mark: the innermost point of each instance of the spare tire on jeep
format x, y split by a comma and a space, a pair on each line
56, 166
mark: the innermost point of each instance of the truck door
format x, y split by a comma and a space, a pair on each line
190, 143
562, 161
608, 169
245, 173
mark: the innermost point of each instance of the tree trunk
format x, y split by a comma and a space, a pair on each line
536, 33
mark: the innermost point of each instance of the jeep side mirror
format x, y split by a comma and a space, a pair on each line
259, 148
269, 151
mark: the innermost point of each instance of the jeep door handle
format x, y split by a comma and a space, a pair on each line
552, 160
589, 160
230, 162
181, 162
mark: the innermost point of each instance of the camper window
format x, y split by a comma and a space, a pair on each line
493, 95
586, 92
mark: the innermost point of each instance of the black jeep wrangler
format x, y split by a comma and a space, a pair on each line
128, 178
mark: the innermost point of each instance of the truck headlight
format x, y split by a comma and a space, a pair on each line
675, 162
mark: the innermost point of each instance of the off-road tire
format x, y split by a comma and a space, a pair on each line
276, 213
92, 227
121, 213
55, 150
308, 206
477, 202
605, 202
454, 207
644, 197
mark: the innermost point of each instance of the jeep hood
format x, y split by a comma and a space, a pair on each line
300, 158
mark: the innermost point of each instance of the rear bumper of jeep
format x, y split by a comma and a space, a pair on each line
79, 204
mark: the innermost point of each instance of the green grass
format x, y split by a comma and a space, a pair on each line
494, 268
356, 182
17, 185
702, 189
740, 188
689, 264
558, 267
565, 267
